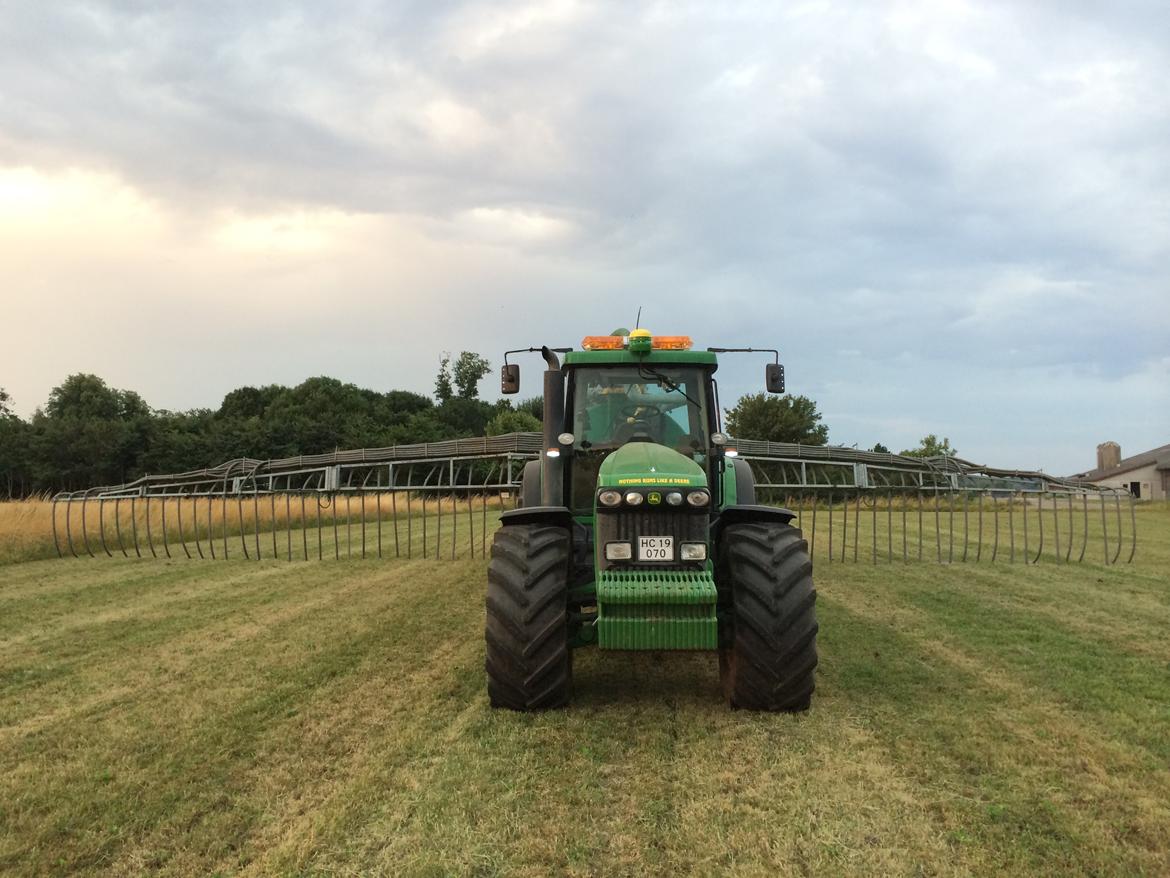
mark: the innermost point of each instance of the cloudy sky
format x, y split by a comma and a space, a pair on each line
950, 217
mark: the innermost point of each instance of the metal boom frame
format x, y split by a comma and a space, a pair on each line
433, 498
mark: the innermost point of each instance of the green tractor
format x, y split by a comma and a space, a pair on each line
638, 529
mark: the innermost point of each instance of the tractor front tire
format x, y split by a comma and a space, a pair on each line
768, 651
529, 664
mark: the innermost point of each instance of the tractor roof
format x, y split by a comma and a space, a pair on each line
624, 357
622, 347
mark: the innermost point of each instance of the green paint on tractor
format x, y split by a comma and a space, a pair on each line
649, 608
639, 530
646, 609
646, 463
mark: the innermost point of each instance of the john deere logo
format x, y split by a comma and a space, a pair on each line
653, 498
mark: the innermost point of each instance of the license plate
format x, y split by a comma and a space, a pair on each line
655, 548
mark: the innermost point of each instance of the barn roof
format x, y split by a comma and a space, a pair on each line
1159, 456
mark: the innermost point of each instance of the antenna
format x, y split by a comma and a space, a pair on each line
638, 322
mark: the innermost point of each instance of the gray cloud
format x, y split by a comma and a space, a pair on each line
973, 199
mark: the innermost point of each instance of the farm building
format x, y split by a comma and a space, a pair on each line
1145, 475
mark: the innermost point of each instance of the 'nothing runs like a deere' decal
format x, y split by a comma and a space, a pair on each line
659, 480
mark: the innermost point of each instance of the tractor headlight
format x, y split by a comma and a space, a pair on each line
693, 552
609, 498
698, 498
634, 498
674, 498
621, 551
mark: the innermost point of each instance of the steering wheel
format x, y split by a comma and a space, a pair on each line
637, 424
640, 411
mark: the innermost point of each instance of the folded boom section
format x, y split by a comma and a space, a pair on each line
443, 500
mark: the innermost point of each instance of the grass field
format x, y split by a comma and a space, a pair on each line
330, 718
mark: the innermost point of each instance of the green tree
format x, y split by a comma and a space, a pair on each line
74, 453
423, 426
180, 441
87, 396
930, 446
469, 369
443, 389
319, 415
250, 402
14, 455
400, 403
533, 405
393, 415
880, 449
513, 422
464, 417
222, 439
773, 418
12, 448
88, 434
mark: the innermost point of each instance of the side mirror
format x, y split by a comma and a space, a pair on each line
774, 378
510, 378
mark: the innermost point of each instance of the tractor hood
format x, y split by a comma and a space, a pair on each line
648, 463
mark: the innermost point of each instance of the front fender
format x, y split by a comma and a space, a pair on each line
749, 513
558, 516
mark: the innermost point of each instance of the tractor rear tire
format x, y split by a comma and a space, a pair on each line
529, 664
768, 651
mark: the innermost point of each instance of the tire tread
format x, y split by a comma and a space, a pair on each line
528, 663
769, 653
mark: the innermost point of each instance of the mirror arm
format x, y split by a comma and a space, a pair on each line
511, 372
774, 374
518, 351
533, 351
775, 353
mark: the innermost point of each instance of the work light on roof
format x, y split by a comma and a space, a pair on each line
603, 342
640, 340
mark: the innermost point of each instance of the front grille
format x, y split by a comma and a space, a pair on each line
627, 525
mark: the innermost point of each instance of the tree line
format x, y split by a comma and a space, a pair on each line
89, 433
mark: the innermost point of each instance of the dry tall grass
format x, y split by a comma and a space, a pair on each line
200, 527
26, 530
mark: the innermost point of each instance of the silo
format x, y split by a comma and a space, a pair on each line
1108, 455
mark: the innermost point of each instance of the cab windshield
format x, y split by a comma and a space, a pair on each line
614, 405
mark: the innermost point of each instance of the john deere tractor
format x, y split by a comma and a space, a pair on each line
638, 529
